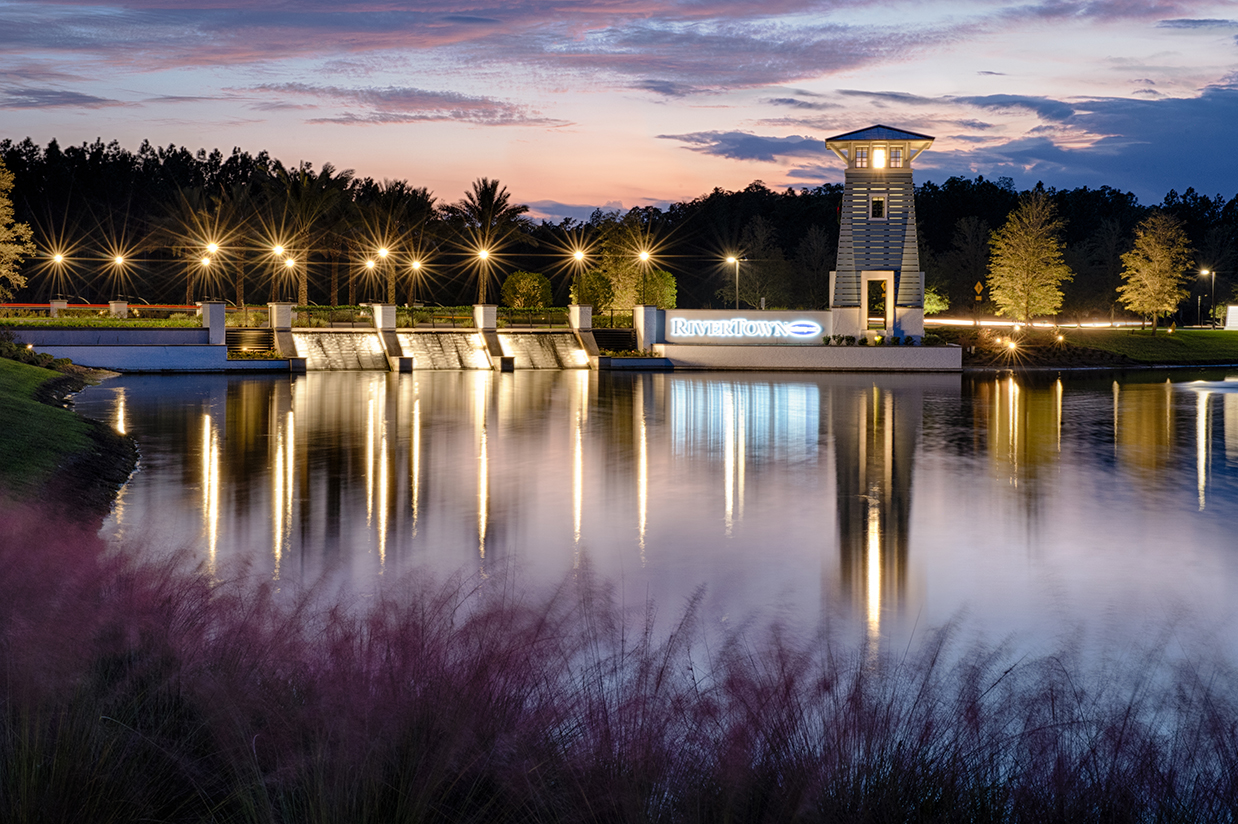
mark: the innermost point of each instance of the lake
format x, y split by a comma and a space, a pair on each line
1039, 508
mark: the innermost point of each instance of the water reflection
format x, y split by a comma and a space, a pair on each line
884, 499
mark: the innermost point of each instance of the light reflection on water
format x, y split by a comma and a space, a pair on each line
884, 501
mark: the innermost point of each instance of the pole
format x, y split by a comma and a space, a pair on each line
1212, 302
736, 284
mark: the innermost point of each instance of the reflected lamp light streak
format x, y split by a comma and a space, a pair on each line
414, 456
872, 567
369, 462
578, 478
728, 462
210, 491
1201, 446
483, 468
642, 470
121, 426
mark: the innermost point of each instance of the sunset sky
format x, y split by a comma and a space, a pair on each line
581, 103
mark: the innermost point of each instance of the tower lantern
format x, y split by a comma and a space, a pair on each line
878, 261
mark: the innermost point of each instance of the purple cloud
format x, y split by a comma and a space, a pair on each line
27, 98
747, 146
406, 104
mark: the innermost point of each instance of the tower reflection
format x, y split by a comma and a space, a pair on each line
876, 428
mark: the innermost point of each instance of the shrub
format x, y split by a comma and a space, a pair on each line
523, 290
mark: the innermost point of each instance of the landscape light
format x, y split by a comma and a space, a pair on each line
289, 262
277, 249
1010, 345
416, 264
212, 247
382, 253
119, 260
579, 255
58, 258
369, 264
483, 253
644, 255
206, 261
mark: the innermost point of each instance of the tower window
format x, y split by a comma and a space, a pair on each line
861, 158
877, 208
896, 158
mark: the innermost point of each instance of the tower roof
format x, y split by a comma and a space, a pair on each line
879, 132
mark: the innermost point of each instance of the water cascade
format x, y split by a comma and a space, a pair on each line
545, 350
341, 350
444, 350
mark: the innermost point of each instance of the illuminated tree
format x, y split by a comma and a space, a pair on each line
1026, 270
526, 290
1155, 270
15, 240
594, 288
935, 301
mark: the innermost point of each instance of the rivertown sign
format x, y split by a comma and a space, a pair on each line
727, 328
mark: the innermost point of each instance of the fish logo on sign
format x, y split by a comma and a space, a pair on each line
804, 329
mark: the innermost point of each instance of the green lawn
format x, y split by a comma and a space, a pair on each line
34, 438
1185, 346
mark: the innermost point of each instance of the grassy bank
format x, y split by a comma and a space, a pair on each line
38, 438
131, 691
1183, 346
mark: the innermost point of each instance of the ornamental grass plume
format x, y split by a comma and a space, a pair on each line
136, 689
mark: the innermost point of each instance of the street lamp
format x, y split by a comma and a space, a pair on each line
416, 267
644, 274
736, 260
1211, 297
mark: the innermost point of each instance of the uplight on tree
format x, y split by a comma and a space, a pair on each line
1026, 269
1154, 271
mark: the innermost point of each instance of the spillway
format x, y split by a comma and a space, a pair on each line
444, 350
545, 350
341, 350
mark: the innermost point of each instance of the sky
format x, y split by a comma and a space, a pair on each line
577, 104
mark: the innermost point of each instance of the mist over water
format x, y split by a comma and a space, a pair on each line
1098, 507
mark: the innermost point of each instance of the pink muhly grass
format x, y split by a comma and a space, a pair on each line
134, 689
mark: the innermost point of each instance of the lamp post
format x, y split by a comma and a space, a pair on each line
578, 257
290, 265
644, 274
416, 267
736, 260
382, 256
483, 274
1211, 297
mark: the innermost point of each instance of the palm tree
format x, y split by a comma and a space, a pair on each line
486, 220
393, 215
309, 205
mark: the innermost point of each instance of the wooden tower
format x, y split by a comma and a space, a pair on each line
878, 261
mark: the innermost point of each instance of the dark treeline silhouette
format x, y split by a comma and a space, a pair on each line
160, 206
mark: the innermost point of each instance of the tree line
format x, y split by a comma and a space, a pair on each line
160, 209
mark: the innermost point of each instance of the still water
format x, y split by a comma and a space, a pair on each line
1039, 509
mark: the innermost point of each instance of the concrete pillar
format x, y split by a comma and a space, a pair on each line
383, 314
213, 313
118, 308
280, 315
55, 307
485, 316
649, 322
580, 316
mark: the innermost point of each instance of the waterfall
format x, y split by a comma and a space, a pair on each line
545, 350
341, 350
444, 350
